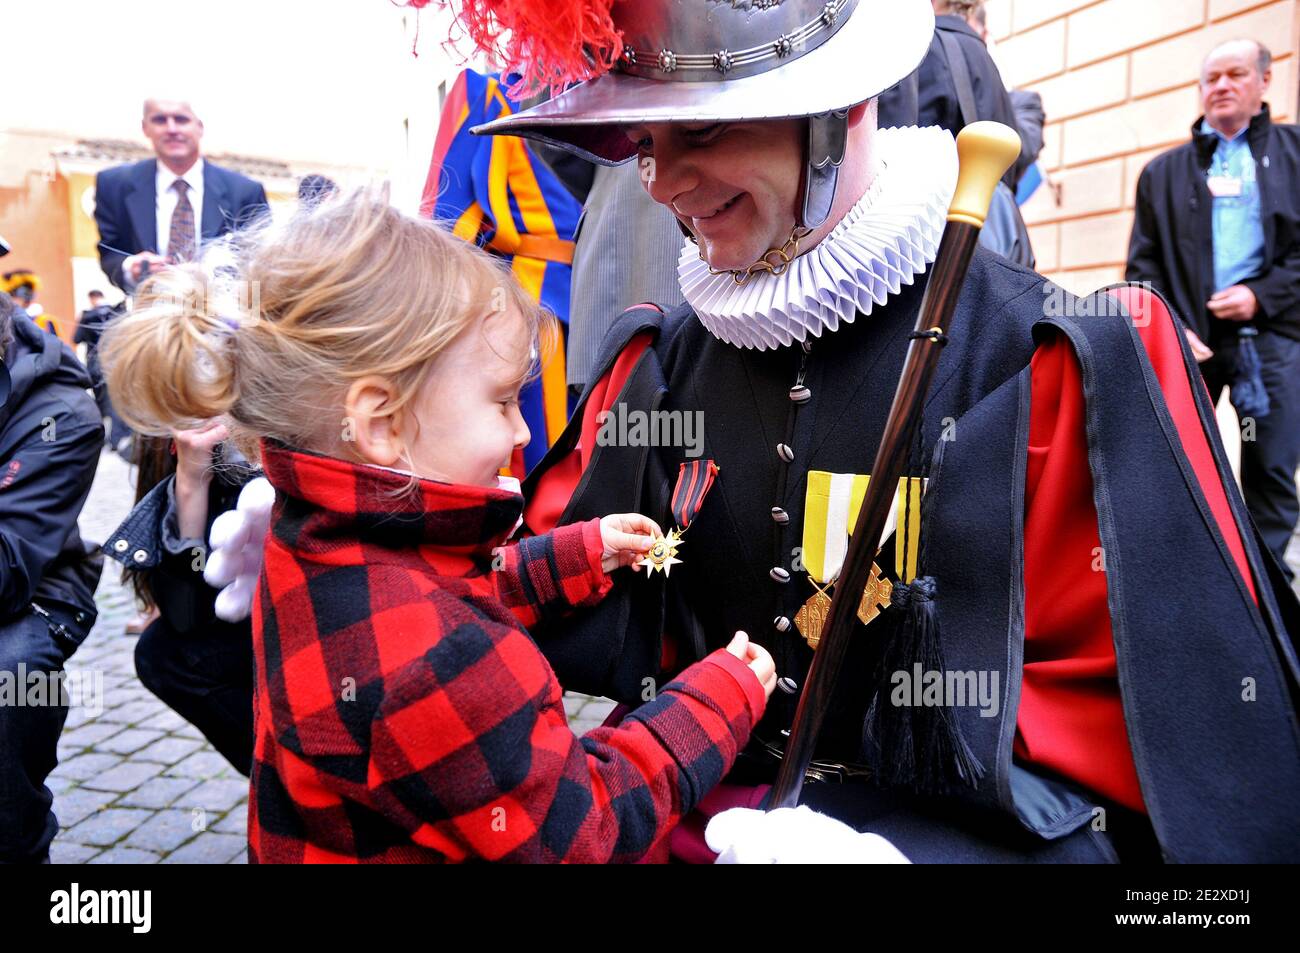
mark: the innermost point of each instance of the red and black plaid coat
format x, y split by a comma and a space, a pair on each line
402, 712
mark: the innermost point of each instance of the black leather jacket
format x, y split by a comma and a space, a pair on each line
149, 541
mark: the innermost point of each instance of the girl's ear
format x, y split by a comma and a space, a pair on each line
371, 424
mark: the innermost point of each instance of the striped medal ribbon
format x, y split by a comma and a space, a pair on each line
694, 480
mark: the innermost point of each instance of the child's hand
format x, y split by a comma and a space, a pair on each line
626, 538
194, 451
759, 659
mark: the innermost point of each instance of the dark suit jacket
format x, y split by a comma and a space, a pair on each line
125, 209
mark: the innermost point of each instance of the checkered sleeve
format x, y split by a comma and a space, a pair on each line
546, 576
472, 756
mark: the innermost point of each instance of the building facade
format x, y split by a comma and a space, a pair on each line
1119, 81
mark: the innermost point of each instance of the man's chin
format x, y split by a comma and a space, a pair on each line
723, 259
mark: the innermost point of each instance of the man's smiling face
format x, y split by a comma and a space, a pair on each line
734, 184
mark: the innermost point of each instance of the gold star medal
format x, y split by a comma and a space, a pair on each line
663, 554
694, 480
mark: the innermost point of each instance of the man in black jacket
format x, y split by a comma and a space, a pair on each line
957, 84
933, 99
50, 438
1217, 231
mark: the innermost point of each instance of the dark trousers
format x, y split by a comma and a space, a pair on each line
29, 738
206, 677
1269, 461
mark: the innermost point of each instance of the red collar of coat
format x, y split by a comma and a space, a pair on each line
333, 501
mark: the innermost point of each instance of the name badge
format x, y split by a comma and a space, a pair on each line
1224, 186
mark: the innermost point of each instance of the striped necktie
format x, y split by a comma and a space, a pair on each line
180, 245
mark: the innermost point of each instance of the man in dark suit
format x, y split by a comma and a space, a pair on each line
159, 211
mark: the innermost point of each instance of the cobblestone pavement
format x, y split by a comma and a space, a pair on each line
136, 784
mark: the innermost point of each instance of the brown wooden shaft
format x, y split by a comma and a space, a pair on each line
946, 279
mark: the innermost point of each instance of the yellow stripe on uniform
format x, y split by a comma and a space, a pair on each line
555, 389
816, 502
510, 172
470, 221
914, 490
507, 235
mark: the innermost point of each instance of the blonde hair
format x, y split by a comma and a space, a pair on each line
273, 327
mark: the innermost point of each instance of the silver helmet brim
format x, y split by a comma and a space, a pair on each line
882, 42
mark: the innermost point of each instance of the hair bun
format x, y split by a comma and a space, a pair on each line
172, 360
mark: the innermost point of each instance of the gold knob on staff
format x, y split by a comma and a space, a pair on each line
986, 151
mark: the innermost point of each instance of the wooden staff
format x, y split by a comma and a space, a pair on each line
985, 150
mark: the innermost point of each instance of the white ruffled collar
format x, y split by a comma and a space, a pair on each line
888, 238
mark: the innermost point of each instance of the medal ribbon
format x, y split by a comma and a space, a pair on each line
694, 480
831, 507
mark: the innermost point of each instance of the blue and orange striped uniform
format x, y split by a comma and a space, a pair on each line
495, 192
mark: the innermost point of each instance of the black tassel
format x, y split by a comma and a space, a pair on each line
916, 746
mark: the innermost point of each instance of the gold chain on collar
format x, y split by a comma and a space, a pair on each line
774, 260
784, 255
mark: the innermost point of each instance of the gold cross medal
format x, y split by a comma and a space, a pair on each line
694, 480
831, 507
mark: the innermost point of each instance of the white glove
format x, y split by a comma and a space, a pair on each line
235, 550
796, 835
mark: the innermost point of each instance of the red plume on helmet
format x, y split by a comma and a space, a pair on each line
548, 42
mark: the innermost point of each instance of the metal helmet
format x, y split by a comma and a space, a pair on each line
694, 61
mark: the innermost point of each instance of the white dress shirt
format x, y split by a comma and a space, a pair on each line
166, 198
